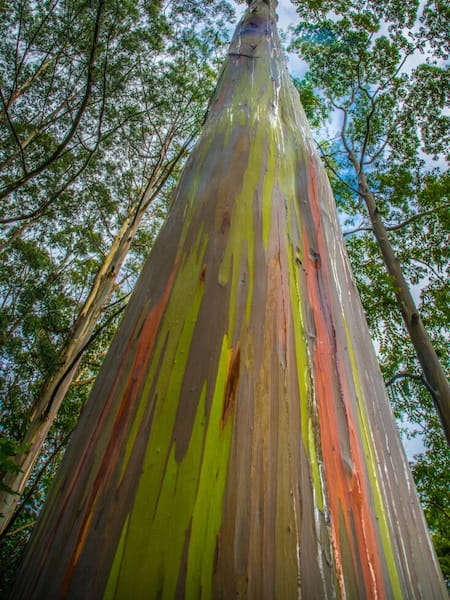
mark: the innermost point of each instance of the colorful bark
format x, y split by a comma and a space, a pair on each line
238, 442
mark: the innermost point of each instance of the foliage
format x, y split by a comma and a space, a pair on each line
432, 480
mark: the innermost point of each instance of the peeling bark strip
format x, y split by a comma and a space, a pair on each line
231, 386
238, 442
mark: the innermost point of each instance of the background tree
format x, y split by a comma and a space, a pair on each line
378, 70
68, 231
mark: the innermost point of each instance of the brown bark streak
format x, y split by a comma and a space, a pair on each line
232, 385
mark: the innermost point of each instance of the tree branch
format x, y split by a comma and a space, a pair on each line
420, 378
357, 230
430, 268
21, 528
33, 37
438, 506
80, 353
344, 124
330, 166
403, 223
68, 137
14, 132
417, 216
30, 491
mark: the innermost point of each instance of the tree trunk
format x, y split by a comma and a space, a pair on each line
426, 354
21, 89
238, 441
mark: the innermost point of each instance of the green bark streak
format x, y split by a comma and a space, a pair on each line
207, 512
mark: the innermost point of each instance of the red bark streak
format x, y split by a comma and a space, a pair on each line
349, 485
136, 375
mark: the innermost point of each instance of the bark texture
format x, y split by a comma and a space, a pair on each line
238, 442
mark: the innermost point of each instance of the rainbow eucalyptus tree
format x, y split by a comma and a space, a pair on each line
238, 441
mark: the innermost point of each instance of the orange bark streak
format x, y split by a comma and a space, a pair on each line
348, 482
136, 375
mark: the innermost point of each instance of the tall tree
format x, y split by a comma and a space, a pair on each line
238, 441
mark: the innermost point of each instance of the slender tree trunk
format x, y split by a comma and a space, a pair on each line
238, 442
426, 354
55, 389
19, 91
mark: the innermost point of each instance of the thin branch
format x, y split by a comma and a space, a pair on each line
368, 117
383, 145
79, 354
14, 132
417, 216
420, 378
43, 125
395, 125
30, 491
19, 33
116, 302
330, 166
41, 209
383, 86
344, 124
439, 507
357, 230
19, 529
82, 382
435, 273
403, 223
367, 133
33, 37
167, 170
70, 134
